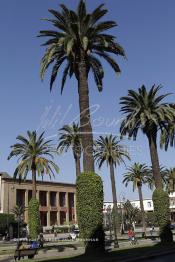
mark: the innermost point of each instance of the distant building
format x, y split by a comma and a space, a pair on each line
57, 200
148, 205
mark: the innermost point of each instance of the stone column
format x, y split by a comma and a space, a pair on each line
57, 200
75, 209
58, 218
67, 207
58, 208
48, 208
37, 195
48, 218
26, 206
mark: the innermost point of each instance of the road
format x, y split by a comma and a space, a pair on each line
162, 259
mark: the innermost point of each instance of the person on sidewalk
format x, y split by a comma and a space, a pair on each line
130, 235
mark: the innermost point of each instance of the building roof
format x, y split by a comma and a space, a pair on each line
6, 176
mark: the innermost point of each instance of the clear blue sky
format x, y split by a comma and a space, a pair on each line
145, 30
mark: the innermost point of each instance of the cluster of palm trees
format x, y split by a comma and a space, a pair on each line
77, 41
140, 174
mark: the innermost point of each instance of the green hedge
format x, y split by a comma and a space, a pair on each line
90, 211
162, 214
6, 219
34, 218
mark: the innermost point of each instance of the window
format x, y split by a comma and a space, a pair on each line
43, 198
149, 204
62, 199
53, 202
20, 197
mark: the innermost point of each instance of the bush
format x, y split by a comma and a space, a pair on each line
34, 218
162, 213
5, 221
90, 211
151, 219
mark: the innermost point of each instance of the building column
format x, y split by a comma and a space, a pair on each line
26, 206
37, 195
57, 200
48, 208
67, 208
75, 209
58, 218
58, 208
48, 218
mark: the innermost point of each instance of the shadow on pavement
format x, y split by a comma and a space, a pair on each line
59, 248
119, 255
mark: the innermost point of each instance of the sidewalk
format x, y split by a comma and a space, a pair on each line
126, 253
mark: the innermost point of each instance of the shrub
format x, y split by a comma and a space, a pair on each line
162, 213
151, 219
90, 211
34, 218
6, 218
5, 221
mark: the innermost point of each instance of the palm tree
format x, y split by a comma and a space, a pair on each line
70, 137
131, 213
109, 150
138, 174
167, 136
32, 152
78, 39
164, 177
18, 212
170, 180
145, 111
167, 139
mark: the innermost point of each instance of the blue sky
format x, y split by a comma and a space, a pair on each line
145, 30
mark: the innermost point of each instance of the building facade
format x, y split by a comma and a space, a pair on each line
57, 200
147, 203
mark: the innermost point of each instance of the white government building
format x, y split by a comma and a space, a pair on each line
148, 205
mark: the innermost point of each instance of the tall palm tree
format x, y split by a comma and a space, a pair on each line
144, 110
32, 152
79, 38
108, 149
138, 174
70, 137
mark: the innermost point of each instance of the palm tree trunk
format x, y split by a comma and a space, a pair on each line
33, 183
78, 167
142, 208
85, 121
154, 159
114, 195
